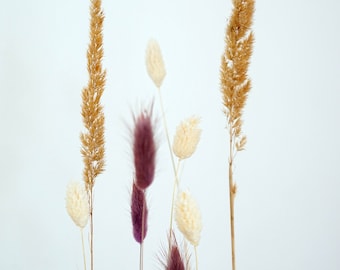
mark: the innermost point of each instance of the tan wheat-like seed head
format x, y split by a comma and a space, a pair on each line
187, 136
154, 63
188, 217
77, 203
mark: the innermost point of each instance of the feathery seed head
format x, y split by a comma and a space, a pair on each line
77, 203
139, 213
144, 149
188, 217
187, 137
154, 63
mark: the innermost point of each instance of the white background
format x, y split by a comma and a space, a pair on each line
287, 207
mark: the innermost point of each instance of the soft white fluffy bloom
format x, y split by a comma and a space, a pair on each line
77, 203
187, 137
154, 63
188, 218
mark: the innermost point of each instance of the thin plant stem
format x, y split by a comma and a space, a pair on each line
91, 225
166, 131
231, 200
176, 185
196, 257
141, 255
172, 159
83, 248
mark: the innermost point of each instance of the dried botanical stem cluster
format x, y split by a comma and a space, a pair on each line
235, 85
186, 139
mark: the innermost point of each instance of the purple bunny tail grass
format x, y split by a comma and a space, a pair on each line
144, 149
139, 213
174, 259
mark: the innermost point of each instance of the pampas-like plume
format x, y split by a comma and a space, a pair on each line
235, 83
144, 149
92, 111
139, 213
154, 63
77, 203
186, 138
235, 86
188, 217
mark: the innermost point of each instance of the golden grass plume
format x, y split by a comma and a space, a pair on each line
92, 111
235, 83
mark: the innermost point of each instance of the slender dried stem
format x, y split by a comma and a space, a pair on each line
231, 204
83, 247
172, 162
91, 226
196, 257
174, 190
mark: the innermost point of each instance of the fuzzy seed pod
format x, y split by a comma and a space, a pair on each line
144, 150
154, 63
188, 218
77, 203
187, 137
139, 213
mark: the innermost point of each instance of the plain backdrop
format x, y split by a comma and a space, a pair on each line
287, 206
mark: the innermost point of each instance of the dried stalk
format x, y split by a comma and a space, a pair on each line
92, 111
235, 86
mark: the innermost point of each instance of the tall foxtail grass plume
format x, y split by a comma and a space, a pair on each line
235, 86
92, 139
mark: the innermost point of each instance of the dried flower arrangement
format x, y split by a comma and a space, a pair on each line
235, 86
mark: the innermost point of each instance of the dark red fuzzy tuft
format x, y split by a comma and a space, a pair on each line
175, 261
144, 150
139, 213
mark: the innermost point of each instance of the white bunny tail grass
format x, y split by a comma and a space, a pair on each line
187, 137
77, 203
188, 217
154, 63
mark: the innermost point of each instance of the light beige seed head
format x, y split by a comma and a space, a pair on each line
187, 136
77, 203
188, 217
154, 63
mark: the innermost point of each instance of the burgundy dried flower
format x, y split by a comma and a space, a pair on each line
144, 150
175, 261
139, 213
